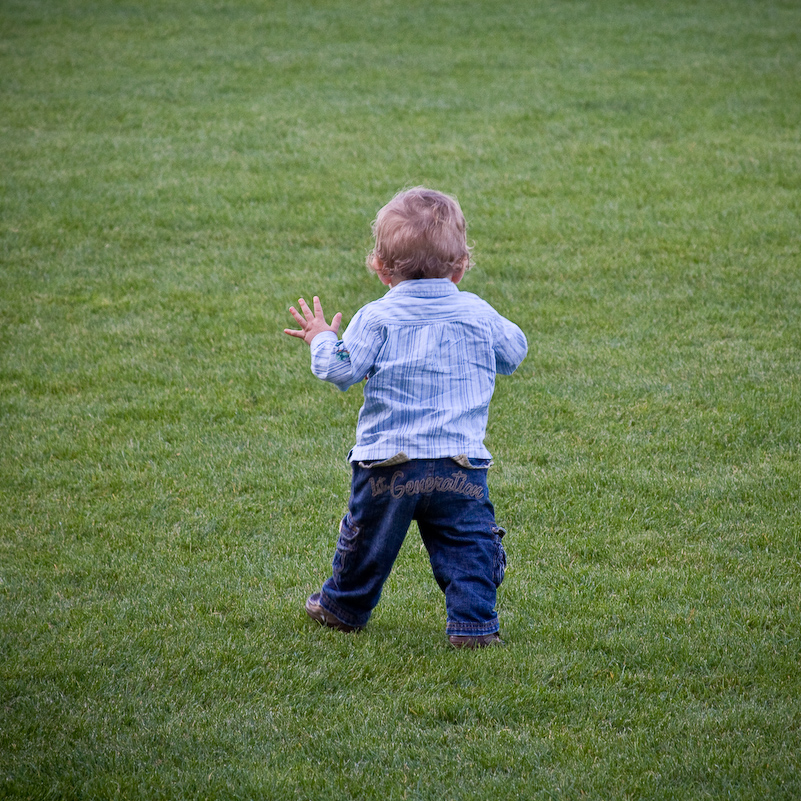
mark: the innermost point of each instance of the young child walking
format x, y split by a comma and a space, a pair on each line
429, 354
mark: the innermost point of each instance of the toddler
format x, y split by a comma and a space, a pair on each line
428, 353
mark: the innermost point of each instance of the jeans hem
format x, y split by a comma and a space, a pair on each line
454, 627
342, 615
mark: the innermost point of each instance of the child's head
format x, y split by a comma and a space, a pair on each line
420, 233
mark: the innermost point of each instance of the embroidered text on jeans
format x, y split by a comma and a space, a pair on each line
457, 483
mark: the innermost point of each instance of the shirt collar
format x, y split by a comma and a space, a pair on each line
425, 288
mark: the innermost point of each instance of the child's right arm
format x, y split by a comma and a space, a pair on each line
511, 346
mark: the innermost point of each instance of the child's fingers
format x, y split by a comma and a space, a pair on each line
304, 307
318, 307
293, 333
300, 320
335, 321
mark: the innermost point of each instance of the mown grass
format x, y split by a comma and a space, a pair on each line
174, 175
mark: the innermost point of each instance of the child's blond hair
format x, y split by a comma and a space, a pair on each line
420, 233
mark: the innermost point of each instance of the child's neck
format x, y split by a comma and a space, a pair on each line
394, 280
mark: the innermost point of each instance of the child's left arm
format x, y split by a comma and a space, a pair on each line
331, 360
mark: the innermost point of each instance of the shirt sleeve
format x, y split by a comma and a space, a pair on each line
511, 346
347, 361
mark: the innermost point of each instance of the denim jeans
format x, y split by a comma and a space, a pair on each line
457, 522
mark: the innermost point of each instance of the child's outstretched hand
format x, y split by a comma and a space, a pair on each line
310, 323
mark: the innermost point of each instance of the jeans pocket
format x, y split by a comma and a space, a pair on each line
398, 458
346, 544
471, 464
499, 562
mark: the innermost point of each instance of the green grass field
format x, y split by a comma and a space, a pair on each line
176, 174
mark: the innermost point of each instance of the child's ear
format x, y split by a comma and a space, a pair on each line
459, 272
381, 272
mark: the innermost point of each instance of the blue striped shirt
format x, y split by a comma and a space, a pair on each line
429, 353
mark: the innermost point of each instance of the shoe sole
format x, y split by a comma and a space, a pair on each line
471, 643
325, 618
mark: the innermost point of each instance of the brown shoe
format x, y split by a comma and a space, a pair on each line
324, 617
483, 641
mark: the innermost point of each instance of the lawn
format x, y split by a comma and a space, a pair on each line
176, 174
